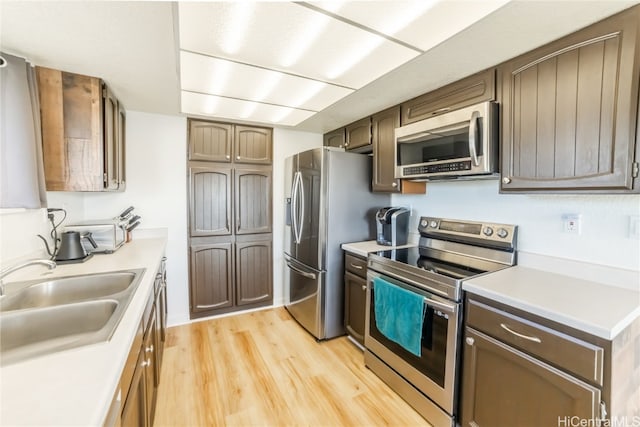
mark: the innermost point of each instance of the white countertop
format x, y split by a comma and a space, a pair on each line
593, 307
76, 387
364, 248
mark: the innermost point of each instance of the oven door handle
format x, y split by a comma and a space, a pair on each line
440, 305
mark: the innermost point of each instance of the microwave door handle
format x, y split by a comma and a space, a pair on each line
473, 138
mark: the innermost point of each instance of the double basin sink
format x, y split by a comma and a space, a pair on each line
50, 315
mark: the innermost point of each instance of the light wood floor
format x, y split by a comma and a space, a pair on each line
262, 368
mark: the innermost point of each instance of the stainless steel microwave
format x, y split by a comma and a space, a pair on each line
460, 144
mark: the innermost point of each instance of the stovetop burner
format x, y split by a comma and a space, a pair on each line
413, 258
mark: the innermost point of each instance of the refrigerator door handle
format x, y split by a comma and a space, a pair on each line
294, 207
302, 206
304, 273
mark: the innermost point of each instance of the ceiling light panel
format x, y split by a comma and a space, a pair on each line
235, 109
420, 23
300, 41
226, 78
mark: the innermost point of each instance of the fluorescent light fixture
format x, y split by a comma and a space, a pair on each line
238, 25
304, 40
350, 59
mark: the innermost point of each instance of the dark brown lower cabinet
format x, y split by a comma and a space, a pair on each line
230, 275
506, 387
355, 295
134, 411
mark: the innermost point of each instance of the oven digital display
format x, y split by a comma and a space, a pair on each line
460, 227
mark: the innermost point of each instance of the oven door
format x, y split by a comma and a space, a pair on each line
433, 373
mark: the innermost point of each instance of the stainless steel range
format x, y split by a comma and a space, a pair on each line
449, 251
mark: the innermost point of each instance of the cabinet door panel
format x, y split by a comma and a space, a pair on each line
209, 200
210, 141
71, 121
211, 277
252, 145
358, 135
134, 411
505, 387
569, 111
253, 272
252, 201
121, 146
355, 293
111, 136
335, 138
384, 162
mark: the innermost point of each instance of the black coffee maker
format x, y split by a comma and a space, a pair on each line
392, 224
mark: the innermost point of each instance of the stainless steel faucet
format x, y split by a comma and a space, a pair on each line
6, 271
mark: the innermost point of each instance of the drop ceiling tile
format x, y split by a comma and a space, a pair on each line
299, 40
234, 109
216, 76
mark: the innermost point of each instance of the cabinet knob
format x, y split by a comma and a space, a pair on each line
228, 156
237, 157
395, 184
469, 340
506, 180
146, 363
364, 287
149, 349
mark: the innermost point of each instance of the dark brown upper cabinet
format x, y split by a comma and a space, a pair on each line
335, 138
252, 200
252, 145
358, 136
468, 91
210, 141
83, 132
210, 200
383, 179
226, 142
570, 110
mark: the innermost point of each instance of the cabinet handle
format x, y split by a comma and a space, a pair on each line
357, 267
506, 180
149, 349
364, 287
526, 337
395, 184
441, 110
470, 341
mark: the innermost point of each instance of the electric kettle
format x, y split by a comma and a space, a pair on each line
71, 248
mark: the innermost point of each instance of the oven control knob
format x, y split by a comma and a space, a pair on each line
488, 231
433, 224
424, 223
502, 233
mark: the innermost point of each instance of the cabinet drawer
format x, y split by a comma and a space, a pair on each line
576, 356
355, 264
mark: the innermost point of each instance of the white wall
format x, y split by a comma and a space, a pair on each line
18, 234
156, 187
604, 236
285, 144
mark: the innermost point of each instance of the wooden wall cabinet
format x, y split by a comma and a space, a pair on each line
471, 90
519, 369
230, 217
226, 142
383, 179
358, 136
83, 133
355, 295
335, 138
570, 112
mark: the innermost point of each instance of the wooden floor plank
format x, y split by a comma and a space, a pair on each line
262, 368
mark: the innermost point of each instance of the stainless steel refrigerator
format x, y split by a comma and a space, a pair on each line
327, 202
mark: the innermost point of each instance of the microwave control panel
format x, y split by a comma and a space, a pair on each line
437, 168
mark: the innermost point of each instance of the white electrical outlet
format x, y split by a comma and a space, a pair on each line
571, 223
634, 227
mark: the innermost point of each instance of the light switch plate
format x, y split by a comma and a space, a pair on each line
571, 223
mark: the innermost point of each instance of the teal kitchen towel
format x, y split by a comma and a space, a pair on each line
399, 314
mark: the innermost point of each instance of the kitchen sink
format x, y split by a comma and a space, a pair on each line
52, 315
68, 290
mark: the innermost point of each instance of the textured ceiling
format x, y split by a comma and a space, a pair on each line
134, 47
